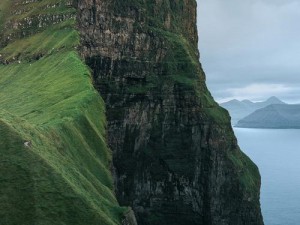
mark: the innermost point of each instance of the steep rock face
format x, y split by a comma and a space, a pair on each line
176, 160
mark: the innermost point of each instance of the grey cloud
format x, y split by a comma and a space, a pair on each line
250, 42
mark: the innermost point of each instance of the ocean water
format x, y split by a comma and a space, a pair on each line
277, 154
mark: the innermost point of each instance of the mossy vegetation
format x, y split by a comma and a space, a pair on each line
248, 173
55, 38
4, 4
54, 159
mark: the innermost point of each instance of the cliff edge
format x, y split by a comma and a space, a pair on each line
54, 160
174, 159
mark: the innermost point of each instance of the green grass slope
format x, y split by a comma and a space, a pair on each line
47, 98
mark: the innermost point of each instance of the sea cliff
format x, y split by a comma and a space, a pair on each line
104, 103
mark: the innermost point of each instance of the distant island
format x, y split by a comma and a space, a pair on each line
272, 113
238, 110
278, 116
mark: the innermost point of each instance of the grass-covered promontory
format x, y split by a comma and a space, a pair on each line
54, 161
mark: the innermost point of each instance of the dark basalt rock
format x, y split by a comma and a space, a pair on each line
176, 160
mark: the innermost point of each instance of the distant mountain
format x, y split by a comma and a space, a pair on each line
273, 116
270, 101
240, 109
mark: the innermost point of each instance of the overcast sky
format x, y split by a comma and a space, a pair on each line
250, 49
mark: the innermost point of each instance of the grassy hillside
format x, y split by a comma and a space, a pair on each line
47, 99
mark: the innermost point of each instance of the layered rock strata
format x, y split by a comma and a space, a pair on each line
176, 159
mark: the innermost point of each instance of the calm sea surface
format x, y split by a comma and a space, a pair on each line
277, 154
